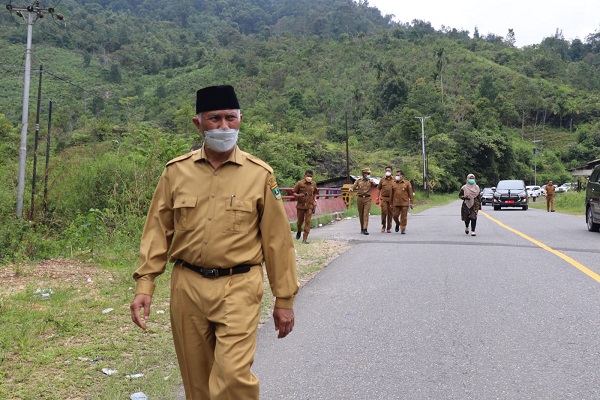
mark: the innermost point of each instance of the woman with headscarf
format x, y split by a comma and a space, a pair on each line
470, 195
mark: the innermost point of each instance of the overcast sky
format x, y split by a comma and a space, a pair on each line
531, 20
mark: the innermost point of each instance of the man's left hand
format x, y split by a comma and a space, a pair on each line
284, 321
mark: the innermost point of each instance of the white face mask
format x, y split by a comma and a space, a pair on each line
221, 140
388, 173
398, 178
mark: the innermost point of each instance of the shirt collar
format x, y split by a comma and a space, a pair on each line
235, 157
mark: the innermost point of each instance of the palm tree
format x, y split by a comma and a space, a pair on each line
439, 66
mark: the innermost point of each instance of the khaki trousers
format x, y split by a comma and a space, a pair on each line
364, 206
402, 212
214, 323
304, 218
386, 214
549, 203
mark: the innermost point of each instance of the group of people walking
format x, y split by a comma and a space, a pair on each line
394, 194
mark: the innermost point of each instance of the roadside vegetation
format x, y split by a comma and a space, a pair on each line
571, 202
62, 321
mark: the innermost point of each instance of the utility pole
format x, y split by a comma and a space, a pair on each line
35, 146
347, 153
34, 12
423, 118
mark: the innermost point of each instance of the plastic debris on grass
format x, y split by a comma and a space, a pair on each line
109, 371
43, 294
138, 396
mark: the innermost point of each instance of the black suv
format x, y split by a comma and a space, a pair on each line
592, 201
510, 193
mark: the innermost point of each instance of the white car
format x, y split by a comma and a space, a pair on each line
565, 187
535, 191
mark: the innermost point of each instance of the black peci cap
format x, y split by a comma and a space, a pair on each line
212, 98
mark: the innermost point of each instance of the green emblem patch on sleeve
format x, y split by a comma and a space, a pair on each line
276, 192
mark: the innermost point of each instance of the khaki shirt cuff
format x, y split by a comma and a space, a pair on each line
144, 287
284, 303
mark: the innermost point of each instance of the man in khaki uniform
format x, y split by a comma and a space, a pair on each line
217, 214
402, 198
550, 191
385, 197
305, 192
363, 186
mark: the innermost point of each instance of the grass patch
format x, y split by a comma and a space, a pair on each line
571, 202
424, 201
57, 333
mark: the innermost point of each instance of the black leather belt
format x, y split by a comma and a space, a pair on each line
217, 272
364, 195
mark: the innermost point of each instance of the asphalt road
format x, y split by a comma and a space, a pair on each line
513, 313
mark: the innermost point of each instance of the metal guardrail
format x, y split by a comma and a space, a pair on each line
324, 193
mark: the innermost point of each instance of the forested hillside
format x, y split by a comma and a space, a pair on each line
123, 75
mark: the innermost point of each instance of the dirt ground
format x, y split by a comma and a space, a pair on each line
48, 274
67, 272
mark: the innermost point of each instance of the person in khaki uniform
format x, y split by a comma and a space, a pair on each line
305, 192
385, 197
217, 214
363, 186
402, 198
550, 191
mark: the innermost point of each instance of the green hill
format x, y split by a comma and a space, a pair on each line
123, 74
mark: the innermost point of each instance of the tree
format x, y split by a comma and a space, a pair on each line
390, 92
486, 88
510, 37
115, 74
574, 105
423, 97
441, 61
560, 103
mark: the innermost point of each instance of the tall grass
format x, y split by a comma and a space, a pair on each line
571, 202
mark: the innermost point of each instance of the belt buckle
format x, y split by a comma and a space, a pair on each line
211, 273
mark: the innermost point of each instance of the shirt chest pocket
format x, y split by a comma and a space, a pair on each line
237, 215
184, 208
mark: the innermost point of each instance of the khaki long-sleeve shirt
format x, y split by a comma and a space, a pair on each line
219, 219
362, 186
385, 188
308, 194
403, 194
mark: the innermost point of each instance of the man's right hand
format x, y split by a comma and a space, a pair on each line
140, 301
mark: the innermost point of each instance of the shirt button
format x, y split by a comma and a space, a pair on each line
212, 195
206, 242
210, 218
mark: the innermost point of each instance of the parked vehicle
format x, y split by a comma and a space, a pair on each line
487, 195
534, 191
592, 201
565, 187
510, 193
